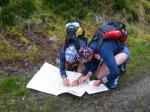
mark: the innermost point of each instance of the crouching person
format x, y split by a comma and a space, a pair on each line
108, 42
95, 65
74, 41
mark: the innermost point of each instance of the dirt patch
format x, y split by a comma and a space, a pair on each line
135, 98
130, 99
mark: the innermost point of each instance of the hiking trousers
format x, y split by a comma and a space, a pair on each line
107, 52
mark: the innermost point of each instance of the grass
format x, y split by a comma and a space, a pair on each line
138, 66
11, 53
13, 93
8, 53
18, 36
15, 85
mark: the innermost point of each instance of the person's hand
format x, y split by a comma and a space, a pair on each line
66, 82
75, 82
96, 56
82, 79
97, 83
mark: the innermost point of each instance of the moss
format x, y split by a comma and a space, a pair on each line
142, 104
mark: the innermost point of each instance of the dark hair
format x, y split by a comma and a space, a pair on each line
73, 41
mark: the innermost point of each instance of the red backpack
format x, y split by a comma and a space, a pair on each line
114, 30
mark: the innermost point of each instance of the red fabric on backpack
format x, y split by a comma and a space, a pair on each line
114, 34
113, 30
123, 39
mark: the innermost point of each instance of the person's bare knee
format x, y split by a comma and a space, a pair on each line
121, 58
102, 71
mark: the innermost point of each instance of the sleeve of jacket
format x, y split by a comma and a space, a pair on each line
87, 68
90, 66
94, 65
62, 63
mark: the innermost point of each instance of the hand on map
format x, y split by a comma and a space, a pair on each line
66, 82
83, 79
97, 82
75, 82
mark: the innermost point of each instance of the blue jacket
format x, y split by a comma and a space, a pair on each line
107, 52
91, 66
82, 43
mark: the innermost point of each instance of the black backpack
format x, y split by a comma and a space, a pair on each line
71, 36
114, 30
71, 31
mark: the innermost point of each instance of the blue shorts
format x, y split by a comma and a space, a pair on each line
126, 51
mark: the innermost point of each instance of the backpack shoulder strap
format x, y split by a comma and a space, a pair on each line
99, 34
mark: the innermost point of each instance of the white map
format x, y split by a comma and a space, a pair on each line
48, 80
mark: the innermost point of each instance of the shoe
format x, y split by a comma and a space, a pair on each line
122, 69
113, 84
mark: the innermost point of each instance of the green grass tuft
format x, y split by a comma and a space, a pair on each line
26, 8
8, 16
121, 4
16, 85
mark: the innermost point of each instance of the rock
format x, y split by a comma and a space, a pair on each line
53, 39
23, 98
57, 60
29, 47
19, 45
